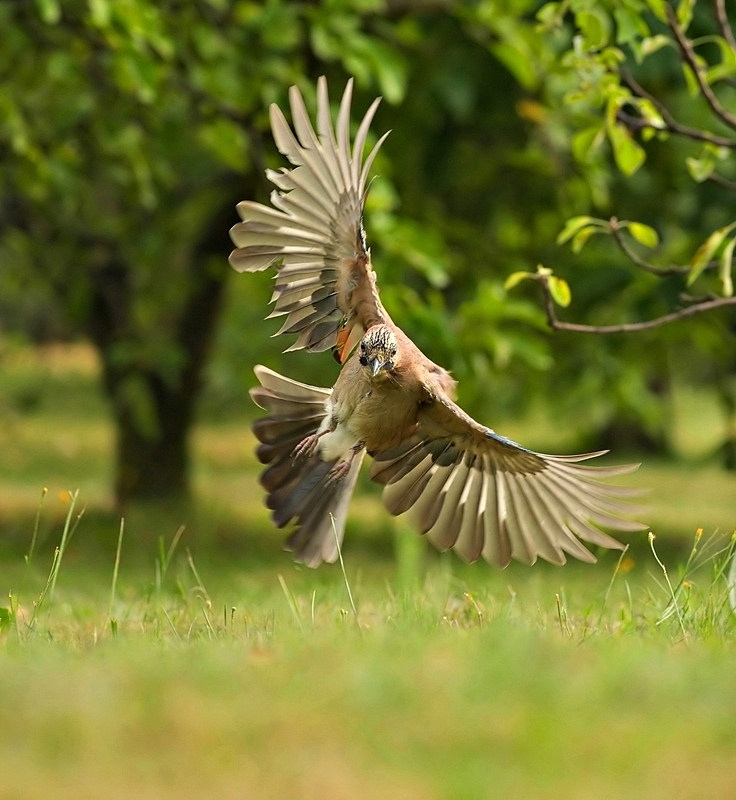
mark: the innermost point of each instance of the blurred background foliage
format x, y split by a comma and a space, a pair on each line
130, 129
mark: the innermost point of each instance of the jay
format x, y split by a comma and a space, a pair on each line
464, 486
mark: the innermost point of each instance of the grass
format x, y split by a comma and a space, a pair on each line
183, 655
194, 679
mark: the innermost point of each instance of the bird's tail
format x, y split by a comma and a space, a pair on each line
300, 488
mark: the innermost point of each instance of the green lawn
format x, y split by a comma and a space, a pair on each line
232, 672
235, 680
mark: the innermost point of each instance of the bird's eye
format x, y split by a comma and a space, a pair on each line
389, 365
363, 360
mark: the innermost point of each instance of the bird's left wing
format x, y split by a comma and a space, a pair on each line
313, 235
468, 488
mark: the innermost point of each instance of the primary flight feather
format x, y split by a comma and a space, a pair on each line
463, 485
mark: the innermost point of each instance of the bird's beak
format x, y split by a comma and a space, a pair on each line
375, 366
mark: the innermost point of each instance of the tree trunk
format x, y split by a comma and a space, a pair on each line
153, 464
153, 412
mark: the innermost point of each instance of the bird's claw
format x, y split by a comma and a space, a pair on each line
339, 471
306, 448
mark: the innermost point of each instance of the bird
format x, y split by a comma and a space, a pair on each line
464, 486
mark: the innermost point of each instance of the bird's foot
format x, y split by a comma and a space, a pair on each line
307, 447
339, 471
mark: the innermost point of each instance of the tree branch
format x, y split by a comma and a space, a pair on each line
671, 124
631, 327
721, 181
688, 53
640, 262
635, 258
723, 21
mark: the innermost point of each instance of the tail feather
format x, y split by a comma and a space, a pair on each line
270, 401
300, 489
267, 453
272, 430
314, 541
288, 389
277, 474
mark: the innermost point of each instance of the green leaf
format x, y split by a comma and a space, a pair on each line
685, 13
582, 236
651, 44
706, 251
629, 155
724, 271
595, 25
559, 290
658, 8
630, 26
574, 224
517, 62
516, 278
586, 142
391, 70
644, 234
50, 11
727, 67
700, 169
550, 15
691, 81
99, 11
649, 112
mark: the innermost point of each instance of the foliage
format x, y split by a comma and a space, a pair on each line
644, 88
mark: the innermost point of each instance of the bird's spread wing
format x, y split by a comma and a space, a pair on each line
468, 488
313, 234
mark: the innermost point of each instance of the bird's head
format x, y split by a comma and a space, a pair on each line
379, 350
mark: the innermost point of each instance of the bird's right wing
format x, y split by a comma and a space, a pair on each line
313, 235
468, 488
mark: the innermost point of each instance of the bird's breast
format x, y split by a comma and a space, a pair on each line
383, 417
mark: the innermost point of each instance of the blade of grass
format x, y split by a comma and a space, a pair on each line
672, 591
66, 537
34, 538
211, 630
611, 582
171, 624
292, 602
172, 546
344, 574
37, 605
116, 568
200, 585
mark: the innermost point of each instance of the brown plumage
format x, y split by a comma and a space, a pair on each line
464, 486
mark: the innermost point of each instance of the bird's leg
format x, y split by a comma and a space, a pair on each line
308, 445
341, 469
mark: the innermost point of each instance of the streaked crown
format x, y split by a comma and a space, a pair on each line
379, 349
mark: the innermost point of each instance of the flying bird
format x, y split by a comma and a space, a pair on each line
464, 486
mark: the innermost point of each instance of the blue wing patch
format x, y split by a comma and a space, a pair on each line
506, 442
